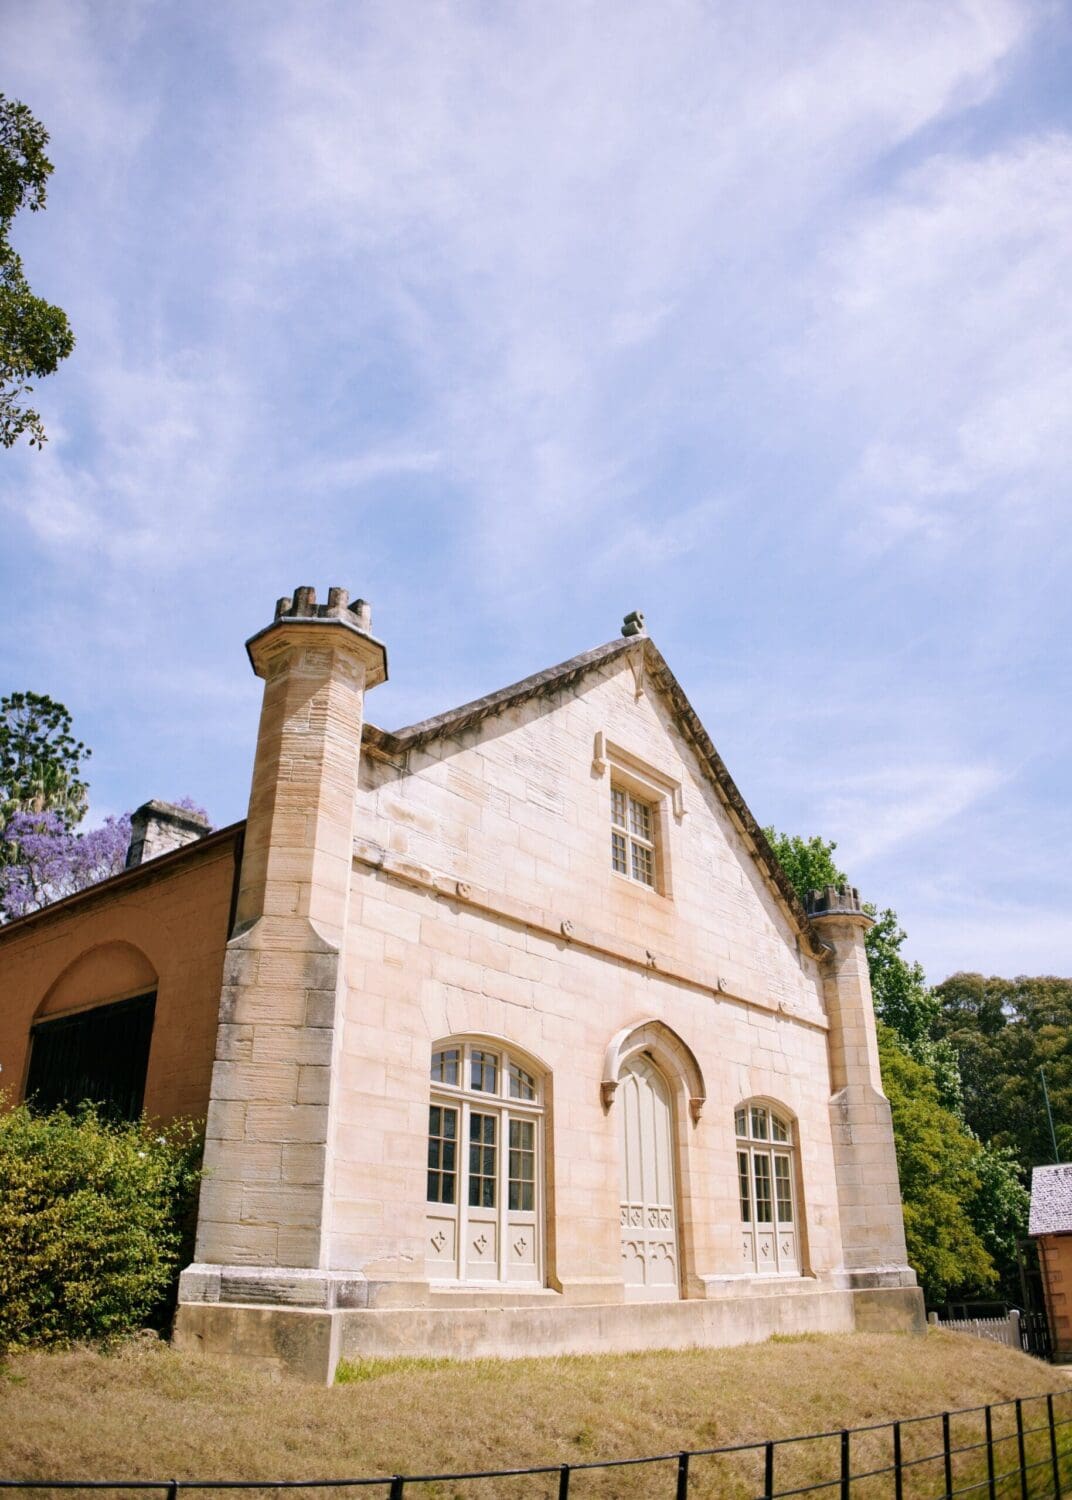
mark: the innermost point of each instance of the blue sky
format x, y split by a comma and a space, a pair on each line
512, 318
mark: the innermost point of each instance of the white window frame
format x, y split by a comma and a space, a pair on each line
765, 1139
504, 1223
638, 849
655, 789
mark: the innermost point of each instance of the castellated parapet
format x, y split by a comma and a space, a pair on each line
835, 901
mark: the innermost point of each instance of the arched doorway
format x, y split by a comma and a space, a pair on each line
648, 1211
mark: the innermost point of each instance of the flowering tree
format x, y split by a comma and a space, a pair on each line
40, 760
51, 861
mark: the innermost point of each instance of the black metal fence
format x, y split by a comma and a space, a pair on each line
1035, 1334
1011, 1450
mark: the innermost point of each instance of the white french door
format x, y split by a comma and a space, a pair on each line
484, 1168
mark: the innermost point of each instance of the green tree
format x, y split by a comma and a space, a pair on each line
939, 1167
809, 863
34, 334
904, 1002
40, 760
1003, 1031
972, 1197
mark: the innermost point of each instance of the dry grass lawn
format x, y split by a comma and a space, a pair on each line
146, 1411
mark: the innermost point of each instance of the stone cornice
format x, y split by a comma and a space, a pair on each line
562, 928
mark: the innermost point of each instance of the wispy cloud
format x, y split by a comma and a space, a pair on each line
877, 811
521, 316
946, 323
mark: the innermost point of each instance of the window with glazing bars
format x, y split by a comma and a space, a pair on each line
632, 836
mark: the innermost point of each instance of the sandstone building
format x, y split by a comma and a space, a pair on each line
510, 1034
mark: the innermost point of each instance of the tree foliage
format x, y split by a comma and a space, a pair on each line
92, 1218
43, 797
50, 861
938, 1163
40, 760
1003, 1031
34, 334
905, 1004
809, 863
964, 1201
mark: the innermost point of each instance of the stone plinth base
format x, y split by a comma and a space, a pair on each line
306, 1343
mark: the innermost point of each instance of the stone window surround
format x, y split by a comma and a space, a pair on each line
662, 793
505, 1106
749, 1143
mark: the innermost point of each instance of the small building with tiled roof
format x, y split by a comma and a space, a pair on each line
510, 1033
1050, 1224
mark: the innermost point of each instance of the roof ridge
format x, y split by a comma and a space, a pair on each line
466, 714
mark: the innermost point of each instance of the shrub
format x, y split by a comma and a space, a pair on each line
92, 1220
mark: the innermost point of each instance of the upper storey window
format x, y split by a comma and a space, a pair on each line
632, 836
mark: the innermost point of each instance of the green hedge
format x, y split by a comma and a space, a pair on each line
92, 1222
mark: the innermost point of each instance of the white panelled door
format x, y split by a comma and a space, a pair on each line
648, 1214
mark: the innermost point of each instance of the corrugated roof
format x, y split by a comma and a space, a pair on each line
1051, 1200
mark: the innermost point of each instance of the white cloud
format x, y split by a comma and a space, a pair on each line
946, 327
877, 811
542, 195
162, 455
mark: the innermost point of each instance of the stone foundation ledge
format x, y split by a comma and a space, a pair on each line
715, 1288
874, 1278
290, 1286
306, 1343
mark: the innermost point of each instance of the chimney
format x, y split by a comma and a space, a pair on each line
159, 827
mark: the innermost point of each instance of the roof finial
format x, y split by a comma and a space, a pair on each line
633, 624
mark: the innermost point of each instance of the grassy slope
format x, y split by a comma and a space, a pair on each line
147, 1411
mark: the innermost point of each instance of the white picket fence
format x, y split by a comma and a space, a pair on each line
997, 1330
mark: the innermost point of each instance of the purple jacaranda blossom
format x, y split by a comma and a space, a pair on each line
50, 861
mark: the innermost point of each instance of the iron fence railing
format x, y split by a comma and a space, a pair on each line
998, 1451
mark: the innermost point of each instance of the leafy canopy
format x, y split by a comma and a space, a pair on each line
92, 1221
34, 334
938, 1164
1003, 1031
809, 863
40, 760
964, 1202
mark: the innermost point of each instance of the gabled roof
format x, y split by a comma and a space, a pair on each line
647, 658
1051, 1200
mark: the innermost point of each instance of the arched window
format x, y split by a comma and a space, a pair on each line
765, 1176
485, 1155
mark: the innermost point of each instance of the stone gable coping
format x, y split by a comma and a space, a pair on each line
647, 661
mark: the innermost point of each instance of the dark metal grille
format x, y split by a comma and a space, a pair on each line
101, 1055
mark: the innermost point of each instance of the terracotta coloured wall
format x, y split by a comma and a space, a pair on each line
1055, 1254
162, 926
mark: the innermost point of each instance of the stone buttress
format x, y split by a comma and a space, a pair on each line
263, 1219
869, 1196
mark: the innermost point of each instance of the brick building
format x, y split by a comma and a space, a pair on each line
509, 1031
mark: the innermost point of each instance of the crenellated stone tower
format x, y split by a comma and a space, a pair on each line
869, 1195
263, 1223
